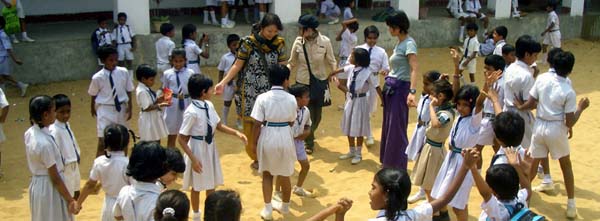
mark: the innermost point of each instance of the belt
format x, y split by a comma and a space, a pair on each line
120, 103
354, 95
375, 73
124, 43
455, 149
434, 144
343, 58
198, 137
554, 30
489, 115
185, 96
277, 124
194, 62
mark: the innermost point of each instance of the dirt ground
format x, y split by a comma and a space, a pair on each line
329, 177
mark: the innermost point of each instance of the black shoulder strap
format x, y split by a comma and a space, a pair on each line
307, 61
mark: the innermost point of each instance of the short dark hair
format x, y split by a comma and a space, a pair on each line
467, 93
361, 57
346, 3
444, 87
371, 29
199, 84
232, 38
147, 162
526, 44
187, 31
223, 205
122, 15
298, 90
38, 105
509, 128
502, 31
563, 63
144, 71
175, 200
271, 19
105, 51
166, 28
278, 73
61, 100
472, 26
504, 180
175, 160
553, 4
432, 76
398, 19
2, 22
178, 52
101, 19
396, 183
116, 138
495, 61
353, 27
553, 52
507, 48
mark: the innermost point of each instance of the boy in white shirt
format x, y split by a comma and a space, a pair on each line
227, 60
470, 51
164, 46
499, 36
67, 144
348, 39
110, 90
472, 8
124, 39
348, 16
102, 37
552, 32
557, 112
455, 9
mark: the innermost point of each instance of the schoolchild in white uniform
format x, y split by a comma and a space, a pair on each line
136, 202
110, 90
109, 170
227, 60
330, 10
192, 51
493, 63
557, 112
49, 198
470, 52
472, 9
436, 128
499, 36
6, 56
4, 106
418, 138
356, 121
176, 79
348, 39
348, 16
551, 34
274, 113
393, 185
151, 124
379, 67
103, 37
124, 39
164, 47
455, 8
67, 144
518, 81
196, 137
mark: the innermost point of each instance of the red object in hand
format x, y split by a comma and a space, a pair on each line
168, 95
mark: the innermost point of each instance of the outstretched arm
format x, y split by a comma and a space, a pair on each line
572, 118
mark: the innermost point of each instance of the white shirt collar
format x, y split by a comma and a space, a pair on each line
276, 88
60, 124
144, 186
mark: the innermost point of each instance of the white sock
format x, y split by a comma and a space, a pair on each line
225, 19
547, 178
24, 34
197, 216
421, 191
352, 150
261, 15
461, 33
358, 151
205, 12
213, 17
268, 206
571, 202
285, 207
225, 113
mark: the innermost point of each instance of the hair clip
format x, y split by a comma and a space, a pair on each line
168, 211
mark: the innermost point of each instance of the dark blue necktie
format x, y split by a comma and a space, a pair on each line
209, 130
180, 100
73, 141
152, 94
423, 106
353, 83
370, 49
114, 92
467, 48
122, 36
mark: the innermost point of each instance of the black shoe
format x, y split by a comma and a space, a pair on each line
442, 217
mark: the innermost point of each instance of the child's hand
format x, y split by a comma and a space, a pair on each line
93, 111
434, 101
570, 132
344, 204
512, 156
491, 78
160, 99
584, 103
455, 56
470, 156
73, 207
242, 137
196, 165
518, 101
18, 61
445, 76
164, 104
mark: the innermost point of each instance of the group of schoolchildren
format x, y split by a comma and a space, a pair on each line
181, 110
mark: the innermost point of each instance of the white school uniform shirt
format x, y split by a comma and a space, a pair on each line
348, 13
169, 80
379, 58
470, 46
328, 5
5, 44
494, 209
555, 97
488, 106
42, 152
111, 173
123, 34
553, 18
302, 121
423, 212
465, 130
472, 5
275, 106
349, 40
104, 39
500, 156
499, 45
137, 202
164, 48
100, 86
195, 122
226, 62
363, 79
67, 144
455, 6
192, 51
518, 80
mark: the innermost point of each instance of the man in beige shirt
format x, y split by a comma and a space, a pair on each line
322, 62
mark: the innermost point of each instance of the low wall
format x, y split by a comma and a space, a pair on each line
71, 59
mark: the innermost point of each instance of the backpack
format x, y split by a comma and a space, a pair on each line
521, 213
94, 40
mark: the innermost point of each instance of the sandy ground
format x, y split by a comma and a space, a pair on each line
329, 177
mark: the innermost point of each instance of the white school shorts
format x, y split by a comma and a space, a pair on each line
107, 114
552, 38
125, 52
471, 66
486, 132
72, 177
550, 137
5, 65
228, 92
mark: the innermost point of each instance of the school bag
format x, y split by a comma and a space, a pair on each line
13, 25
487, 48
519, 212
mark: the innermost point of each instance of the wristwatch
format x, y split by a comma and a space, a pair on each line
412, 91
